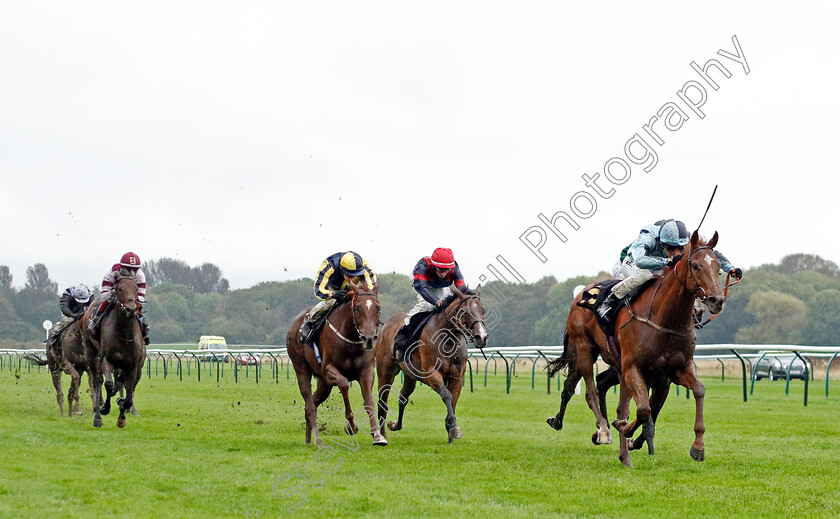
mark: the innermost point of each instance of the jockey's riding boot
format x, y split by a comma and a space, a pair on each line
306, 330
608, 303
400, 341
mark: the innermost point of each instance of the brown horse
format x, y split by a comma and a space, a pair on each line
70, 357
655, 335
346, 345
119, 349
438, 358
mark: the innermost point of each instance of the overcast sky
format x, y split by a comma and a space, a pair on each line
263, 136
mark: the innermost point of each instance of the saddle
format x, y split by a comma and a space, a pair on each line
592, 299
410, 332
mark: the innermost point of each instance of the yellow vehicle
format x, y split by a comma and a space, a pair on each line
216, 347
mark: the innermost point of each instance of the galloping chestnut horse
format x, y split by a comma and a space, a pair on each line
346, 345
438, 358
656, 339
119, 350
72, 360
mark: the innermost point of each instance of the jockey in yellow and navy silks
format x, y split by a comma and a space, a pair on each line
331, 282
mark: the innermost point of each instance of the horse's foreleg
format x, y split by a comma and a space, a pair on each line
638, 390
334, 377
436, 383
110, 388
73, 405
605, 380
407, 389
622, 414
454, 388
556, 422
688, 379
602, 435
658, 395
55, 371
366, 383
310, 410
386, 375
95, 381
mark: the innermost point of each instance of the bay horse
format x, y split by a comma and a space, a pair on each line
655, 334
119, 349
346, 345
70, 358
438, 358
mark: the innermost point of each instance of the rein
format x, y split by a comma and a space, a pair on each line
684, 283
355, 325
467, 331
727, 284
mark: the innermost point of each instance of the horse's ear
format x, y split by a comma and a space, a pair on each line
376, 287
694, 239
478, 290
714, 240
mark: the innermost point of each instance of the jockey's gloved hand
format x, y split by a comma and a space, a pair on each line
339, 295
736, 273
673, 260
439, 304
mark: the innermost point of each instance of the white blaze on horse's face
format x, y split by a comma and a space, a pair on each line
369, 305
708, 260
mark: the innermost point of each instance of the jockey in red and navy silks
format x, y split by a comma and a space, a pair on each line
433, 275
428, 278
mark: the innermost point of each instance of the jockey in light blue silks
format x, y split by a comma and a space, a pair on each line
658, 245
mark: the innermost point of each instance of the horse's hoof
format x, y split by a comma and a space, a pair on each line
597, 438
627, 463
392, 426
455, 434
554, 423
319, 443
121, 422
97, 422
351, 428
379, 440
697, 454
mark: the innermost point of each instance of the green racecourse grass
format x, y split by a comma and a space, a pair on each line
207, 449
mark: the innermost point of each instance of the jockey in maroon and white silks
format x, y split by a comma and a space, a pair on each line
113, 274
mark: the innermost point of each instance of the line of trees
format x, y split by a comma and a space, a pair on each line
794, 302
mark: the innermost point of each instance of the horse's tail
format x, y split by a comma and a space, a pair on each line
563, 361
35, 359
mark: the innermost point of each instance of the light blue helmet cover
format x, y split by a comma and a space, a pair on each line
674, 233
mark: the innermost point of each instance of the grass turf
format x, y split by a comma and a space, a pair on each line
228, 449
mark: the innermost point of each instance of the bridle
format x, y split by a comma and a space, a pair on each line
684, 283
355, 324
457, 318
690, 272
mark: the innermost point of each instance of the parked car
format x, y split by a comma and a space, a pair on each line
246, 359
775, 366
216, 347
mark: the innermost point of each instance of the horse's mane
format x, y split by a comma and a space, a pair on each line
448, 300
